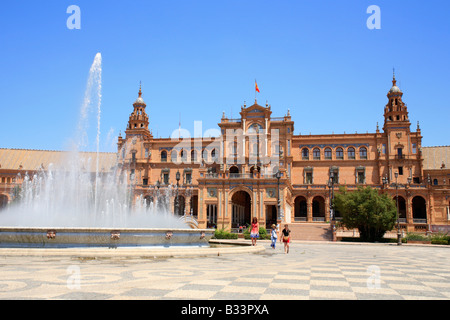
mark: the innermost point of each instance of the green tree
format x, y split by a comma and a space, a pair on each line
365, 209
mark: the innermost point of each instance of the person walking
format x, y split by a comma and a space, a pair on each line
273, 236
254, 232
286, 238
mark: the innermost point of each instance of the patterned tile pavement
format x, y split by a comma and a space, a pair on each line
310, 271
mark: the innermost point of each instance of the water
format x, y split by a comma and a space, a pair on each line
71, 194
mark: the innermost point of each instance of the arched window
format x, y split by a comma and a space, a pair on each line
351, 153
339, 153
193, 156
174, 156
255, 127
163, 156
327, 153
183, 156
305, 154
316, 154
214, 155
362, 153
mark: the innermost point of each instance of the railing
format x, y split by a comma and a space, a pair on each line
420, 221
241, 175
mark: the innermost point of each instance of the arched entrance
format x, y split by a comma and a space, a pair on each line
3, 201
300, 209
194, 206
178, 205
318, 206
163, 203
148, 200
419, 209
234, 172
401, 208
241, 206
271, 215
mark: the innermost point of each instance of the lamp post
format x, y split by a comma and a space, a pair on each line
399, 236
385, 181
278, 176
177, 209
332, 215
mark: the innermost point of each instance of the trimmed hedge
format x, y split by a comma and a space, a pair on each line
263, 235
222, 234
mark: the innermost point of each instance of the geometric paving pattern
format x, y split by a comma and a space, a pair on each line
310, 271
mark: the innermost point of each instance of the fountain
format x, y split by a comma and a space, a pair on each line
75, 204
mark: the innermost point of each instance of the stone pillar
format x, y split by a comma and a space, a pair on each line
309, 211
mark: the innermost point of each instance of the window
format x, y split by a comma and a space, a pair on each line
383, 148
174, 156
416, 180
214, 155
305, 154
308, 175
233, 149
316, 154
327, 154
361, 177
146, 152
414, 148
166, 178
339, 153
400, 171
335, 172
183, 155
363, 153
145, 181
351, 153
188, 178
193, 156
308, 178
435, 182
133, 156
163, 156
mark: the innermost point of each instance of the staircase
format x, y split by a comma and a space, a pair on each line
310, 231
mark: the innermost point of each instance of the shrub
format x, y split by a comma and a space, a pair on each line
222, 234
263, 235
437, 241
366, 210
416, 237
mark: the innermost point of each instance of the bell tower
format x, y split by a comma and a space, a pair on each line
400, 146
138, 120
395, 112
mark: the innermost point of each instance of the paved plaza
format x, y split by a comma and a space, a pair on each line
310, 271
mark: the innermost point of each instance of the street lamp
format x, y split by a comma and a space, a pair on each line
332, 215
278, 176
399, 237
331, 186
177, 209
385, 180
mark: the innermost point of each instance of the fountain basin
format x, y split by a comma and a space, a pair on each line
29, 237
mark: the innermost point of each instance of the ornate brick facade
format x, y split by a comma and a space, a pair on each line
226, 180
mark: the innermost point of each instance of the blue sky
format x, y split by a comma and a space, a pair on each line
197, 59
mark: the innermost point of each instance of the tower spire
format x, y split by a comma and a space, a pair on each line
394, 81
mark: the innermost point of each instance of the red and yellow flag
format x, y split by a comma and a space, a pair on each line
256, 86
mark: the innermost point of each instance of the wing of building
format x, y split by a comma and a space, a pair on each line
259, 168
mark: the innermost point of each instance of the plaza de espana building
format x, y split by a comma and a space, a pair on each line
226, 180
